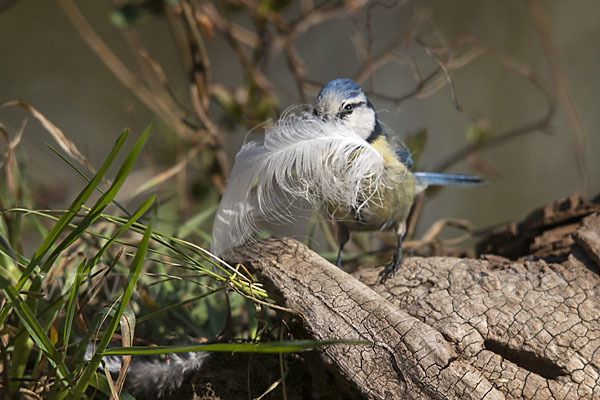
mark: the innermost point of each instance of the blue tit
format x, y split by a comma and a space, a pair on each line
388, 207
336, 156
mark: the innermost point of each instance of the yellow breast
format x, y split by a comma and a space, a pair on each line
390, 204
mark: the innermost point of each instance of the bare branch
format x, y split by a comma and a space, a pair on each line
388, 52
540, 124
112, 62
563, 92
200, 74
225, 26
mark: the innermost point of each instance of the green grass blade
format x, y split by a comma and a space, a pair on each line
136, 215
35, 330
170, 243
105, 199
63, 222
51, 312
8, 259
268, 348
84, 176
191, 225
4, 242
179, 304
136, 269
72, 302
101, 383
82, 345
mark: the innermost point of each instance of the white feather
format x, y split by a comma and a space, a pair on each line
301, 156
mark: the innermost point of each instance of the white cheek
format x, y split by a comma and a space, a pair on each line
361, 121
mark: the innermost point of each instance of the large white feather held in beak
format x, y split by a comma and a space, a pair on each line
301, 156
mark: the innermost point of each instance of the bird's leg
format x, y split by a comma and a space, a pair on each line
392, 267
343, 235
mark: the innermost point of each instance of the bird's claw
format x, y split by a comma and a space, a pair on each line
390, 269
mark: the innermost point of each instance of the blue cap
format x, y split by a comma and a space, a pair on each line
341, 85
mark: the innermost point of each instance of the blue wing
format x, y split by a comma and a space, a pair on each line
404, 156
425, 179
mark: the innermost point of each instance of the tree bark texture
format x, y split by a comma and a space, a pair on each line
443, 327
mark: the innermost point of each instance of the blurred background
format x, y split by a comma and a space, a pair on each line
507, 90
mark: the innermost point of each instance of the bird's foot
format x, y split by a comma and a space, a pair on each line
390, 269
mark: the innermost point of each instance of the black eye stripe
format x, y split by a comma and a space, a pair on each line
345, 112
355, 105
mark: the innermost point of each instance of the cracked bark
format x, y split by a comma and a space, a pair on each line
455, 328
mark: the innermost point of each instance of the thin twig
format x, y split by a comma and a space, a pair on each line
388, 52
112, 62
201, 73
563, 93
410, 94
297, 68
540, 124
225, 26
415, 213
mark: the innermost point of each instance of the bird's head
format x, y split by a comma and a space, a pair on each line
343, 100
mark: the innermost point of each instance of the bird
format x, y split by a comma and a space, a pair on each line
337, 155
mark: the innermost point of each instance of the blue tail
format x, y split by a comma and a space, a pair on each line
434, 178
